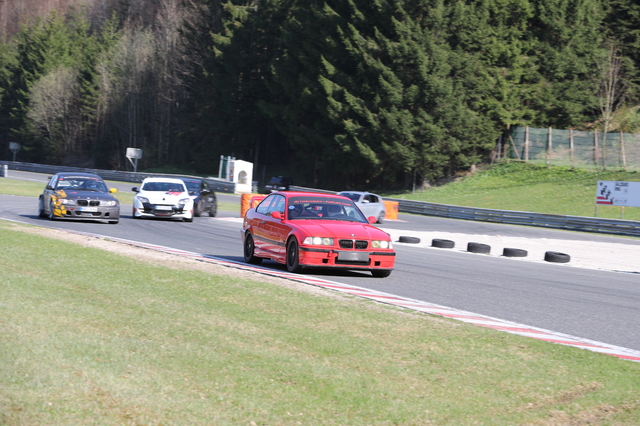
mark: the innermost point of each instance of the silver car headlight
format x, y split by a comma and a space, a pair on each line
318, 241
67, 202
110, 203
382, 244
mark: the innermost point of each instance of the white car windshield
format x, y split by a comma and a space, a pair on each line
163, 187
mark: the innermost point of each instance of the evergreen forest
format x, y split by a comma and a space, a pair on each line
337, 94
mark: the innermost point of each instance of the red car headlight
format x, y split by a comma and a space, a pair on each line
382, 244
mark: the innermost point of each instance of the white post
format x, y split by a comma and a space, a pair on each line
526, 144
571, 146
624, 155
550, 147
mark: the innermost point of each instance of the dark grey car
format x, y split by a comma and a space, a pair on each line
204, 198
79, 196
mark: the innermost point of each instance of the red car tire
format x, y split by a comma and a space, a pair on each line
249, 249
293, 256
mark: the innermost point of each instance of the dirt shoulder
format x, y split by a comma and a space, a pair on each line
166, 259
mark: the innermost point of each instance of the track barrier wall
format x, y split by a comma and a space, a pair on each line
573, 223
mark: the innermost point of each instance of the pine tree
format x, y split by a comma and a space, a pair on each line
236, 75
371, 100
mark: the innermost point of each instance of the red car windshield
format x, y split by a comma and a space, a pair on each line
324, 208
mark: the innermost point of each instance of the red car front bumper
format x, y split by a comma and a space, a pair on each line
346, 259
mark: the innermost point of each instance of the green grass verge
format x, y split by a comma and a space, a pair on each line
34, 189
532, 188
19, 187
504, 186
229, 207
92, 337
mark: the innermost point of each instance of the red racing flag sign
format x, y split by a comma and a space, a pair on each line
616, 193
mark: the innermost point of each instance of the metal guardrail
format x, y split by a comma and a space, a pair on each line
573, 223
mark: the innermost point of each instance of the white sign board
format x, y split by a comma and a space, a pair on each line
134, 153
616, 193
242, 173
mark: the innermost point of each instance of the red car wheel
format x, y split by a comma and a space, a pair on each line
249, 248
293, 253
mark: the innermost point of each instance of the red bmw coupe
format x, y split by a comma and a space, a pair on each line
308, 229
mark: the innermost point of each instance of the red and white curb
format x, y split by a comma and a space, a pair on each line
416, 305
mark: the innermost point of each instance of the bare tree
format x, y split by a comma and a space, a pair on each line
54, 114
170, 87
126, 103
612, 89
13, 13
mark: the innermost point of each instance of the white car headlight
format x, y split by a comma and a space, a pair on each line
381, 244
67, 202
184, 201
318, 241
143, 199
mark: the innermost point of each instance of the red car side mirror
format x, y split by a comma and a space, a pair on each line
372, 219
276, 215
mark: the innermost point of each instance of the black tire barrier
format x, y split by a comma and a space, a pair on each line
479, 248
556, 257
440, 243
410, 240
514, 252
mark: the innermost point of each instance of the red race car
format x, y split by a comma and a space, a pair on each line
308, 229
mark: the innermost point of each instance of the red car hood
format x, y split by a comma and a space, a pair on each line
338, 229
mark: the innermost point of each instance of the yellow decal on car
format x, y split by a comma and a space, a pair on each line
58, 209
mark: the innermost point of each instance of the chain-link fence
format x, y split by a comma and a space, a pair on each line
574, 148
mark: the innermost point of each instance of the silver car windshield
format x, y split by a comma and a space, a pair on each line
82, 184
353, 196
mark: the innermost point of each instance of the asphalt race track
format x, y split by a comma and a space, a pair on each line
598, 305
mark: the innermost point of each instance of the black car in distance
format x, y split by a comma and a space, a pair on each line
279, 183
204, 198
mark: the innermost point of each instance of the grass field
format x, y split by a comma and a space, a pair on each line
532, 188
91, 337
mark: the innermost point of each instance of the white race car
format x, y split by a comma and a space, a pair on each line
162, 197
